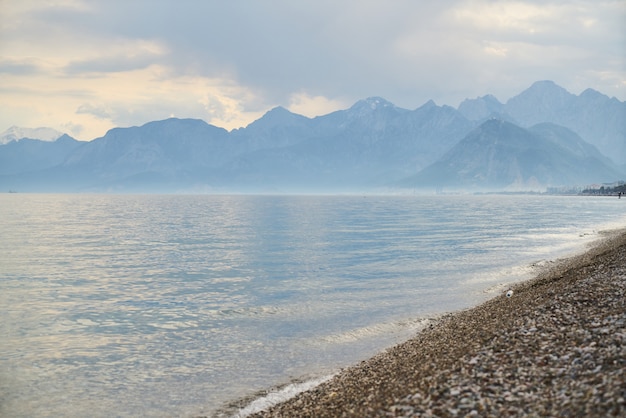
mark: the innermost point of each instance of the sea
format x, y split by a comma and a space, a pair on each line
193, 305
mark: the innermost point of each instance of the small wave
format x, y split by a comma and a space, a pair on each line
280, 395
388, 328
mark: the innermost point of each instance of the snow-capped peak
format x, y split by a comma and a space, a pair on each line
370, 104
376, 102
15, 133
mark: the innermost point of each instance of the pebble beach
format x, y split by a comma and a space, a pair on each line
554, 346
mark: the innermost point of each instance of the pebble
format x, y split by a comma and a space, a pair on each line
558, 348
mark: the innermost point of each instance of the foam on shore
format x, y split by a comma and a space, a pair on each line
275, 397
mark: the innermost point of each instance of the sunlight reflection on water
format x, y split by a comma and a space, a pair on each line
172, 305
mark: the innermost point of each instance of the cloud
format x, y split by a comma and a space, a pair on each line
103, 63
97, 111
493, 48
311, 106
121, 57
21, 66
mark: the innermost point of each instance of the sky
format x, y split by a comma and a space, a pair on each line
86, 66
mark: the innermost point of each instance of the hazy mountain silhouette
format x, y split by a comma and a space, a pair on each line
27, 155
545, 136
499, 155
598, 119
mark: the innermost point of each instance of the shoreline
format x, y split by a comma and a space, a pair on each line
527, 354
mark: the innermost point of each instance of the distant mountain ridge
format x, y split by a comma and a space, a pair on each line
30, 155
373, 145
598, 119
499, 155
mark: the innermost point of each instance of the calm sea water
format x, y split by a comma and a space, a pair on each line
174, 305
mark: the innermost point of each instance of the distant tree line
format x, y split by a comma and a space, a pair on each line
607, 190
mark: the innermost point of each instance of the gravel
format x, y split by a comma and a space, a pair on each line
555, 347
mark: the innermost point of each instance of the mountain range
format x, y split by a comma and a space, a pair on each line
543, 137
499, 155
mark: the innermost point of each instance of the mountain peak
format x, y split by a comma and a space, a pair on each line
544, 84
177, 122
496, 126
377, 102
481, 107
372, 103
592, 94
545, 90
278, 110
542, 101
277, 116
545, 87
429, 104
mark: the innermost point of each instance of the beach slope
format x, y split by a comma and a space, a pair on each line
557, 346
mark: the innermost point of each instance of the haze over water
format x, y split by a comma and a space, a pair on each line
122, 305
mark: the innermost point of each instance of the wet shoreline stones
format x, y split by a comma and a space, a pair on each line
556, 347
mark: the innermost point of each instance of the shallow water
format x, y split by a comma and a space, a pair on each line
119, 305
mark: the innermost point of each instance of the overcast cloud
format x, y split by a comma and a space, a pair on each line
84, 67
